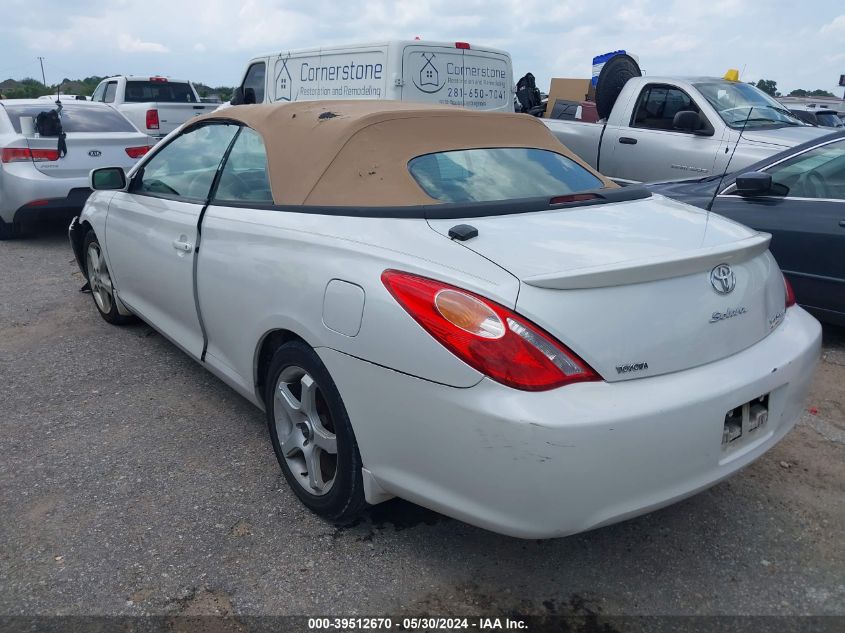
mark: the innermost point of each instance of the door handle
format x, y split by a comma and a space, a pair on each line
627, 140
179, 245
842, 223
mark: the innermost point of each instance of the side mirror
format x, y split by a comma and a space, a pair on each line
687, 120
107, 179
249, 96
754, 183
237, 96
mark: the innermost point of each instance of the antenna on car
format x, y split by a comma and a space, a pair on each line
728, 164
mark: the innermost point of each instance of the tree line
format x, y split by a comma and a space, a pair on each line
770, 87
32, 88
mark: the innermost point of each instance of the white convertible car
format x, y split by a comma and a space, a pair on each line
448, 306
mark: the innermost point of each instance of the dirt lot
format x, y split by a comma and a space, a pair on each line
134, 482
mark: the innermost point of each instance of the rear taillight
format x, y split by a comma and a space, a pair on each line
24, 154
152, 119
790, 293
487, 336
573, 197
137, 152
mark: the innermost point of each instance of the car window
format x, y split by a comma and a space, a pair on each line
160, 90
828, 119
98, 93
484, 175
111, 90
186, 166
75, 118
817, 173
255, 80
658, 105
244, 177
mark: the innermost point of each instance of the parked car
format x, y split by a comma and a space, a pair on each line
663, 128
799, 197
450, 307
820, 117
37, 181
455, 73
156, 105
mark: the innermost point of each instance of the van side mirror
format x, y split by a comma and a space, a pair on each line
237, 96
107, 179
754, 183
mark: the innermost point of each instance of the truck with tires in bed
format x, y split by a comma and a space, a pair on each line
666, 128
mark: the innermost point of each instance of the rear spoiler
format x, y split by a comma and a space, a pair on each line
652, 268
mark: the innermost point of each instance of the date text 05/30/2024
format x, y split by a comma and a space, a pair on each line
411, 624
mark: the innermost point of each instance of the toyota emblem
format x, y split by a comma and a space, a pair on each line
723, 279
94, 153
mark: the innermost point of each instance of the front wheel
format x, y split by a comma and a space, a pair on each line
312, 435
99, 279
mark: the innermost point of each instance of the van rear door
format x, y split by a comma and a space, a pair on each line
457, 75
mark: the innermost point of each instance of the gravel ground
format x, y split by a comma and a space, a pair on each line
133, 482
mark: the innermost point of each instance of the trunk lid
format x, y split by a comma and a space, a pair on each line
87, 151
627, 286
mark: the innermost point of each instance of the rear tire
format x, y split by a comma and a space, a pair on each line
99, 279
9, 230
311, 434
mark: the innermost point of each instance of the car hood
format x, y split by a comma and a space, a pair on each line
783, 136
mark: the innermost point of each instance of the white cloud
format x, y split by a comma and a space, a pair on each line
836, 26
129, 44
212, 43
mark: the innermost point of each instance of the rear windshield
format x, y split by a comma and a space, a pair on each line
161, 91
75, 118
829, 119
485, 175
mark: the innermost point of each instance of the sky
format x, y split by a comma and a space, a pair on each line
210, 41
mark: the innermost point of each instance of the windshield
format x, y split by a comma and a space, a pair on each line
161, 91
485, 175
75, 118
742, 105
829, 119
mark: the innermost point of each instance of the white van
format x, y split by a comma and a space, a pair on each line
430, 72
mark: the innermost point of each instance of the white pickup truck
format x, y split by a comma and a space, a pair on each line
667, 128
156, 105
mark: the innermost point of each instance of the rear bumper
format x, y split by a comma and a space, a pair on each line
53, 197
539, 465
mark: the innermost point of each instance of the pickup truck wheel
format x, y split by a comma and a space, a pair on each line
100, 282
312, 435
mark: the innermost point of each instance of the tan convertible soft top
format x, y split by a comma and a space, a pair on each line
356, 153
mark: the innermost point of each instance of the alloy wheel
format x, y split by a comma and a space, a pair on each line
306, 430
99, 279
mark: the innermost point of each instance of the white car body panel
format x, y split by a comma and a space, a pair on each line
156, 273
543, 465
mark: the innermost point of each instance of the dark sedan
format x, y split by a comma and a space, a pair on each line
799, 197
